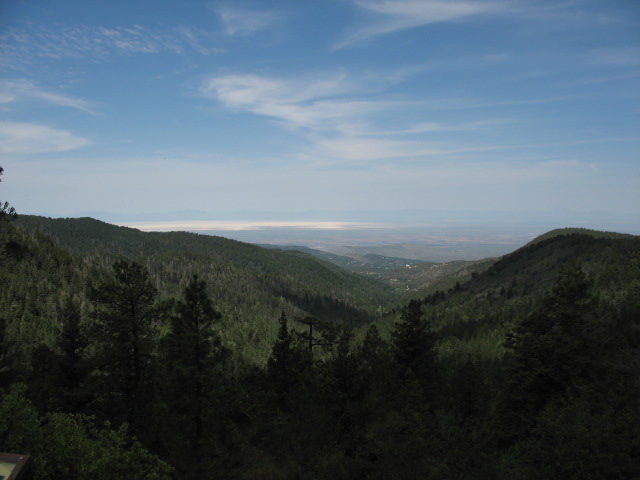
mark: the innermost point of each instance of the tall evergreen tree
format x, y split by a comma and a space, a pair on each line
318, 333
413, 344
286, 365
71, 360
554, 352
191, 381
7, 212
375, 362
58, 372
125, 314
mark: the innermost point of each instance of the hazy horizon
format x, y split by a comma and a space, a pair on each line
441, 236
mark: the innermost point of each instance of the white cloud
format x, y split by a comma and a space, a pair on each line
342, 124
395, 15
434, 127
323, 103
420, 12
388, 16
23, 45
14, 90
243, 23
202, 41
359, 149
338, 124
30, 138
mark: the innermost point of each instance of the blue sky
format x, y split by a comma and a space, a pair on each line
274, 107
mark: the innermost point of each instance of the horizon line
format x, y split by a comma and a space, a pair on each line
244, 225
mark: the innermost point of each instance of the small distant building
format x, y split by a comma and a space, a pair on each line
14, 466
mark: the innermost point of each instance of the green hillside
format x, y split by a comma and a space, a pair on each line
474, 314
578, 231
175, 355
250, 285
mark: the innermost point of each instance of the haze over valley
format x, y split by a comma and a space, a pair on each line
449, 236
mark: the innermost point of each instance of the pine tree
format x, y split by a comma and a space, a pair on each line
125, 313
7, 212
72, 364
191, 381
375, 362
413, 343
286, 366
553, 353
318, 333
11, 248
58, 373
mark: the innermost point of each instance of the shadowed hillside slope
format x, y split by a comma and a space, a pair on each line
250, 285
473, 316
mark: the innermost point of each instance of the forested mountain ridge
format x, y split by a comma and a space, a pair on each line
252, 285
473, 310
516, 368
579, 231
610, 260
87, 235
415, 278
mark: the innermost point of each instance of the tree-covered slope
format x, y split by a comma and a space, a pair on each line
524, 367
473, 316
250, 285
579, 231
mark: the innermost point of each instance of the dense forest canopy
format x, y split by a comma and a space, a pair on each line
176, 355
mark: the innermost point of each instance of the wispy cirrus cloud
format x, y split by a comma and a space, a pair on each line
394, 15
336, 100
383, 17
242, 23
615, 57
202, 41
25, 44
368, 148
435, 127
329, 102
12, 90
342, 123
30, 138
333, 112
